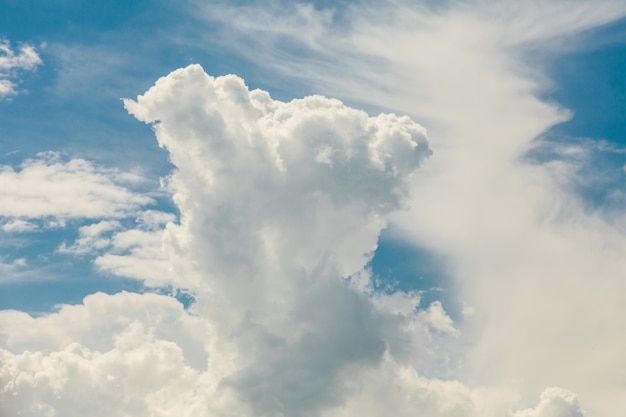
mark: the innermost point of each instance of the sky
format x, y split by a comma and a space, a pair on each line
334, 209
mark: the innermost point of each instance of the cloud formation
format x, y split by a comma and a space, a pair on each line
281, 206
11, 63
48, 187
524, 248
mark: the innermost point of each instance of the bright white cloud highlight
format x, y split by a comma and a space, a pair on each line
555, 402
50, 187
12, 62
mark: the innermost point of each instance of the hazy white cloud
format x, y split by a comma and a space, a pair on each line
91, 238
139, 254
555, 402
12, 62
523, 248
50, 187
11, 269
18, 226
154, 219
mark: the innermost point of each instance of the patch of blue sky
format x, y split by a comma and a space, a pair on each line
591, 83
400, 265
48, 277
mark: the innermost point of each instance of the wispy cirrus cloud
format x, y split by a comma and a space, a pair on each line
12, 63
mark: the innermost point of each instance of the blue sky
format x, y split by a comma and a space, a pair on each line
435, 258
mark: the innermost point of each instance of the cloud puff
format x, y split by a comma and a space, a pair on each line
127, 354
26, 59
49, 187
18, 226
145, 355
555, 402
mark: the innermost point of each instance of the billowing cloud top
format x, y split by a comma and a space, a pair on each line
278, 184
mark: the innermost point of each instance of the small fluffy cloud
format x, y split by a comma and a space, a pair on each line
91, 238
139, 254
18, 226
11, 63
555, 402
50, 187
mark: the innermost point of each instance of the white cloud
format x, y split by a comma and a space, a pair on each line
18, 226
541, 271
49, 187
555, 402
247, 165
139, 254
90, 237
126, 354
280, 201
268, 231
11, 63
269, 227
154, 219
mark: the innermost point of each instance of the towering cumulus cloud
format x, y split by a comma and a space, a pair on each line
279, 201
281, 205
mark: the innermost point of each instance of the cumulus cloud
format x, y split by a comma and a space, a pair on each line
555, 402
126, 354
47, 186
253, 167
280, 205
278, 202
11, 63
524, 249
139, 254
